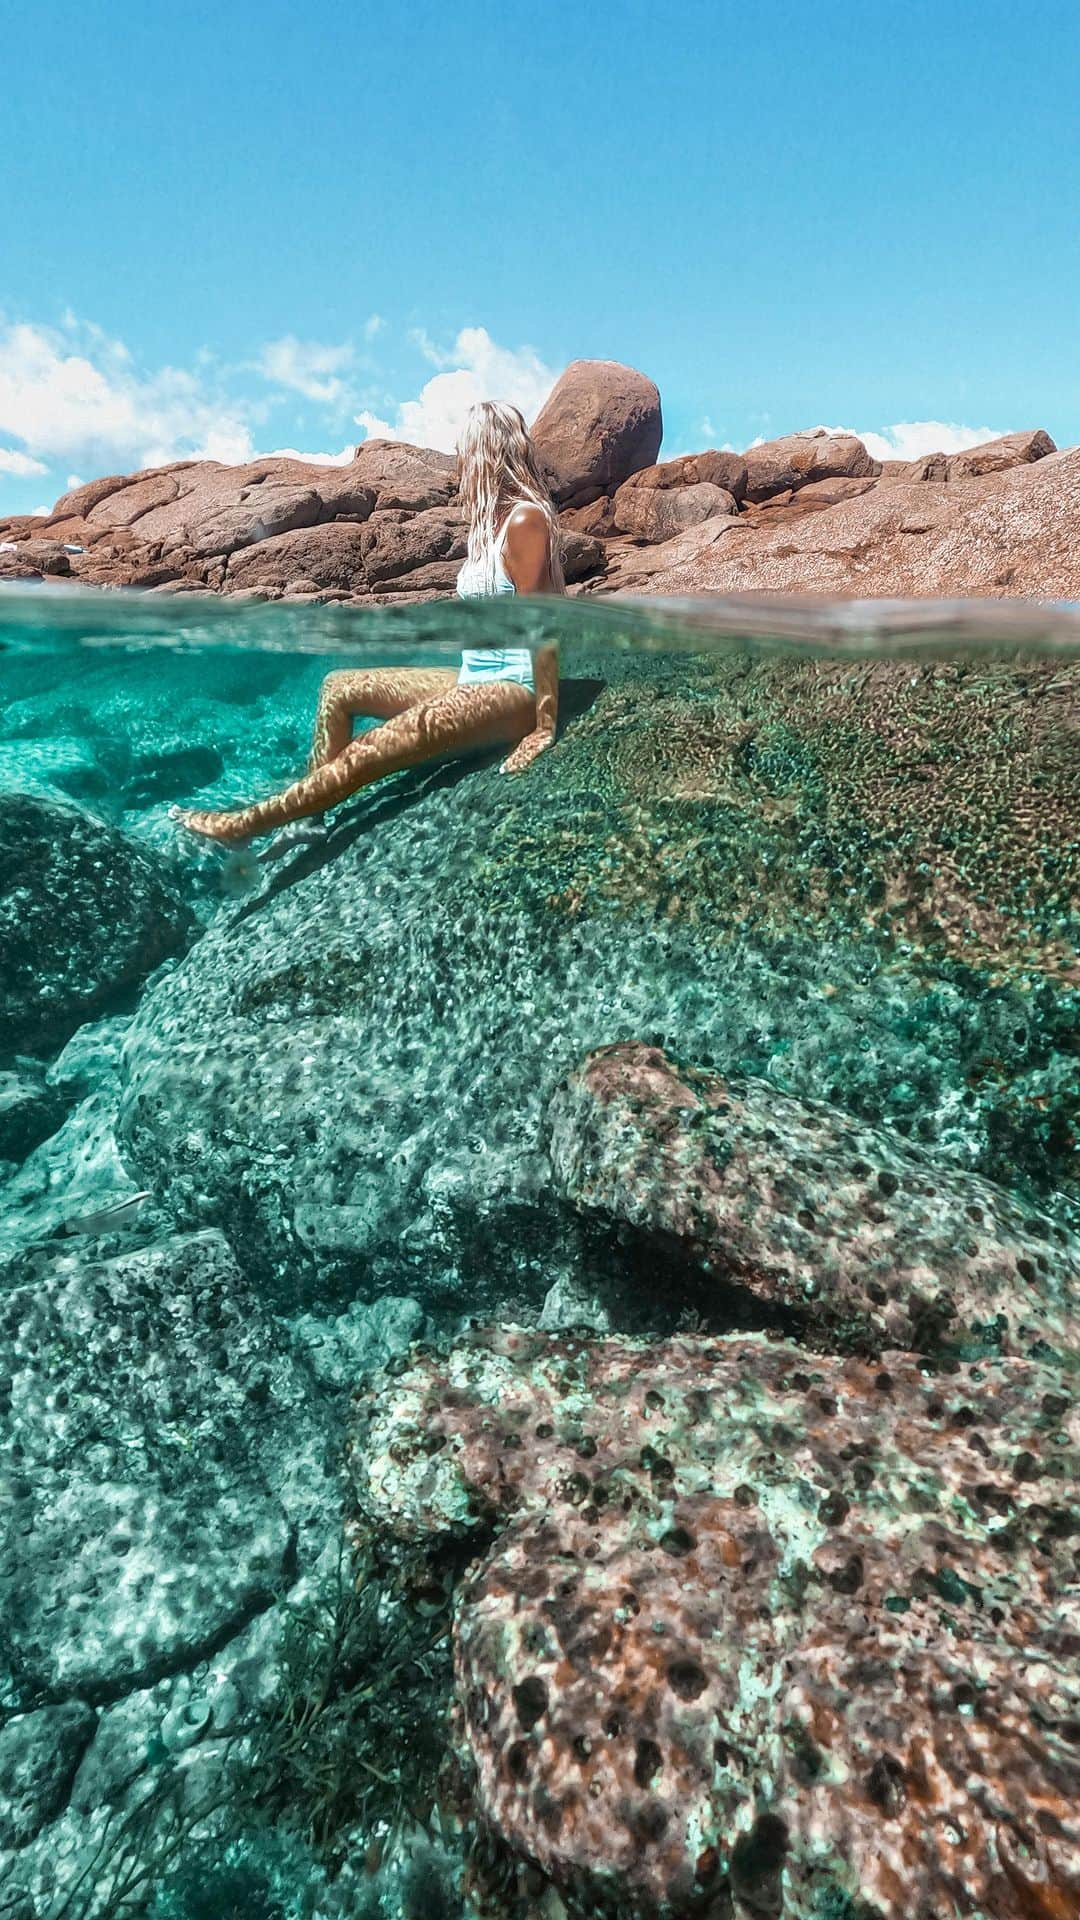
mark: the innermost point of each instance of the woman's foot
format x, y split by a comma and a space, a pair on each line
221, 827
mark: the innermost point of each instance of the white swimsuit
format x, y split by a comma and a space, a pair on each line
476, 580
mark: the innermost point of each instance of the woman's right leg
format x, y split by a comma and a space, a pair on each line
379, 693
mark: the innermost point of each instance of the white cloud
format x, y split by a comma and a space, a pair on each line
474, 368
73, 394
372, 325
21, 464
911, 439
310, 367
342, 459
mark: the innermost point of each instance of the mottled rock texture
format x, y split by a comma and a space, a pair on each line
84, 915
758, 1633
39, 1757
856, 883
29, 1111
161, 1465
861, 1234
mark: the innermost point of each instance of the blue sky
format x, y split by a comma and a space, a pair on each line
240, 227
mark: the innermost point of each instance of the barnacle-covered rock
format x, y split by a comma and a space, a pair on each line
810, 1209
786, 1634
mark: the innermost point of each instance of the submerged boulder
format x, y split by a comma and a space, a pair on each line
755, 1627
162, 1450
84, 915
30, 1110
847, 1225
853, 883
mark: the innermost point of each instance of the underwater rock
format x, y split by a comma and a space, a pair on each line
855, 884
845, 1223
84, 915
39, 1757
754, 1624
161, 1464
30, 1111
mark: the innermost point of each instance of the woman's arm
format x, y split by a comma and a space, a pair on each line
546, 677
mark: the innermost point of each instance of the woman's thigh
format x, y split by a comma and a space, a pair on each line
382, 692
490, 714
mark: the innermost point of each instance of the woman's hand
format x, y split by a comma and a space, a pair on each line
526, 751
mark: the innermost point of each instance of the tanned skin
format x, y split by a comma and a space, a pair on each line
426, 714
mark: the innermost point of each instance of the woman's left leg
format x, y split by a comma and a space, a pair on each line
464, 718
377, 693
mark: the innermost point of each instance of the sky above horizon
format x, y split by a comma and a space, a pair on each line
251, 227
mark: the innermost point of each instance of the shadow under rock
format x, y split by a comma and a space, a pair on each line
401, 792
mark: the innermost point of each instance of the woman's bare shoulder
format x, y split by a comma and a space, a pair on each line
527, 514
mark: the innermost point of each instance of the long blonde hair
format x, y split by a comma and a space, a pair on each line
497, 465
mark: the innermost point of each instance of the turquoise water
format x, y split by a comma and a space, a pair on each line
285, 1125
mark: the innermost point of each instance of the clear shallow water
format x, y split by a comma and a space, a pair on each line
270, 1115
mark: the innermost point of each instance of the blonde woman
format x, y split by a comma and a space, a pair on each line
495, 698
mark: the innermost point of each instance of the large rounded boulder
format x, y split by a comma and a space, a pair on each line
84, 915
599, 424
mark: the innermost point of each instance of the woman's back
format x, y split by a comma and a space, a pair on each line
477, 580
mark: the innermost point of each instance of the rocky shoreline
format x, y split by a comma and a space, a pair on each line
810, 513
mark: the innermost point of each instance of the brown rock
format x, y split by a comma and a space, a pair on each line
81, 500
132, 499
928, 466
23, 526
403, 476
35, 557
582, 556
1011, 533
993, 456
438, 576
820, 493
801, 457
599, 424
716, 467
261, 513
655, 513
328, 556
593, 519
393, 546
